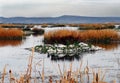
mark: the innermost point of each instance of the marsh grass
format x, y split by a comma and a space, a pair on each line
3, 74
10, 34
102, 36
15, 25
79, 76
38, 31
61, 36
93, 36
94, 26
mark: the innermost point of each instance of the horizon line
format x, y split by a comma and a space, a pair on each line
52, 16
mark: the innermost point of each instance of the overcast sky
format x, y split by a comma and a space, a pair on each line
53, 8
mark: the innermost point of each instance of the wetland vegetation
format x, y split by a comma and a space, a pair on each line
61, 46
10, 34
92, 36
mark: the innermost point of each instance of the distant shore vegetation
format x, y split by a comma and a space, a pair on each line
15, 31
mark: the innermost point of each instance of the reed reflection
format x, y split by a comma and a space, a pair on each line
109, 46
67, 57
10, 42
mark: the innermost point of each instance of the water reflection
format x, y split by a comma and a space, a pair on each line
109, 46
67, 57
34, 34
10, 42
118, 71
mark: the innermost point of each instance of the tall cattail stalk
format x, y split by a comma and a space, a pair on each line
60, 71
43, 75
21, 79
37, 64
29, 69
80, 72
114, 81
12, 78
98, 77
3, 74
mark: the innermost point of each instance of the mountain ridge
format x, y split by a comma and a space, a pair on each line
60, 19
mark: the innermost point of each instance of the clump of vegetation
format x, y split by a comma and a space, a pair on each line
100, 36
15, 25
69, 36
23, 78
96, 26
58, 25
61, 36
26, 29
11, 34
39, 31
44, 25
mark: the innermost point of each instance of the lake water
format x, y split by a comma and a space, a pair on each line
15, 56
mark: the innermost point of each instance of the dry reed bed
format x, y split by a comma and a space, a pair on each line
10, 33
94, 26
15, 25
94, 36
97, 26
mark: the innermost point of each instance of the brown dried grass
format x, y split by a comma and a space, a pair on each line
10, 33
97, 26
96, 36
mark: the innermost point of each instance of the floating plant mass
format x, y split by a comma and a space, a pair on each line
57, 49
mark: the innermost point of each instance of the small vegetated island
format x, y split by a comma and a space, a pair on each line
71, 42
10, 34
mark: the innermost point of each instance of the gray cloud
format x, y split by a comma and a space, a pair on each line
62, 7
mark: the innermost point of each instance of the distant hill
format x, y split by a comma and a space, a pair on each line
61, 19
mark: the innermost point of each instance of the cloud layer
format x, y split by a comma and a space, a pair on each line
43, 8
